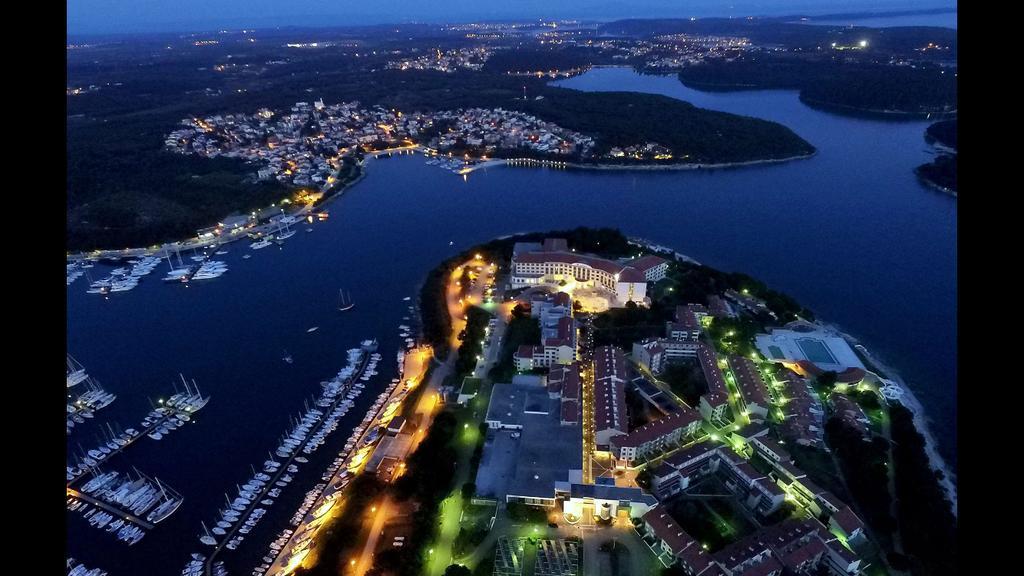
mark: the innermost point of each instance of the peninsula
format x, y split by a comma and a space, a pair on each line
591, 385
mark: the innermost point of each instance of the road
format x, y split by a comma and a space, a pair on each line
426, 409
440, 554
380, 515
413, 368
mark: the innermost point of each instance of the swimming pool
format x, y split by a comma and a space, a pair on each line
816, 351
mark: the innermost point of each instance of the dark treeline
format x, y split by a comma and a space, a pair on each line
471, 346
539, 59
695, 135
335, 539
943, 132
940, 172
835, 84
863, 464
904, 40
885, 88
521, 330
926, 520
694, 283
428, 477
125, 192
124, 189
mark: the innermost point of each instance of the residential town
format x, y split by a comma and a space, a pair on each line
444, 61
306, 145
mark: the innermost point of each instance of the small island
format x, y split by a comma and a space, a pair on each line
941, 172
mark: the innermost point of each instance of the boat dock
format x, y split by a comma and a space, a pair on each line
86, 469
227, 537
112, 509
145, 431
279, 566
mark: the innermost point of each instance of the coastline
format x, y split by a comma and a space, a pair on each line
677, 166
931, 183
871, 112
907, 399
190, 245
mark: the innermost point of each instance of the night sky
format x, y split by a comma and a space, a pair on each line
128, 16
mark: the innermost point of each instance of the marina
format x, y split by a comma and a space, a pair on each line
75, 372
308, 432
127, 277
233, 342
86, 404
77, 569
291, 546
168, 416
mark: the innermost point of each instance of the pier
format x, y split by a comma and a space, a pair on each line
131, 440
144, 431
109, 508
416, 361
227, 537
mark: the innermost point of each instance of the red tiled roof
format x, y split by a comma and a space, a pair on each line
609, 389
629, 274
555, 245
827, 496
767, 566
775, 447
645, 263
626, 273
712, 374
847, 520
811, 551
836, 548
687, 318
570, 258
685, 456
565, 380
851, 375
663, 426
524, 351
665, 528
717, 306
696, 559
749, 381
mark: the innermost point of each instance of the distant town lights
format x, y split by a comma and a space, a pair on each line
863, 43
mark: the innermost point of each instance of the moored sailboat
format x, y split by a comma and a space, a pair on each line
345, 302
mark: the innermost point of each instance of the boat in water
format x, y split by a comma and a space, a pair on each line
345, 302
287, 357
75, 372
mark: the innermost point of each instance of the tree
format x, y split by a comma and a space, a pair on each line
457, 570
827, 379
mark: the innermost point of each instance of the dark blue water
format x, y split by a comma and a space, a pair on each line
850, 233
944, 20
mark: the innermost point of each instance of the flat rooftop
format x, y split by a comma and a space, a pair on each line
543, 453
509, 403
826, 350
